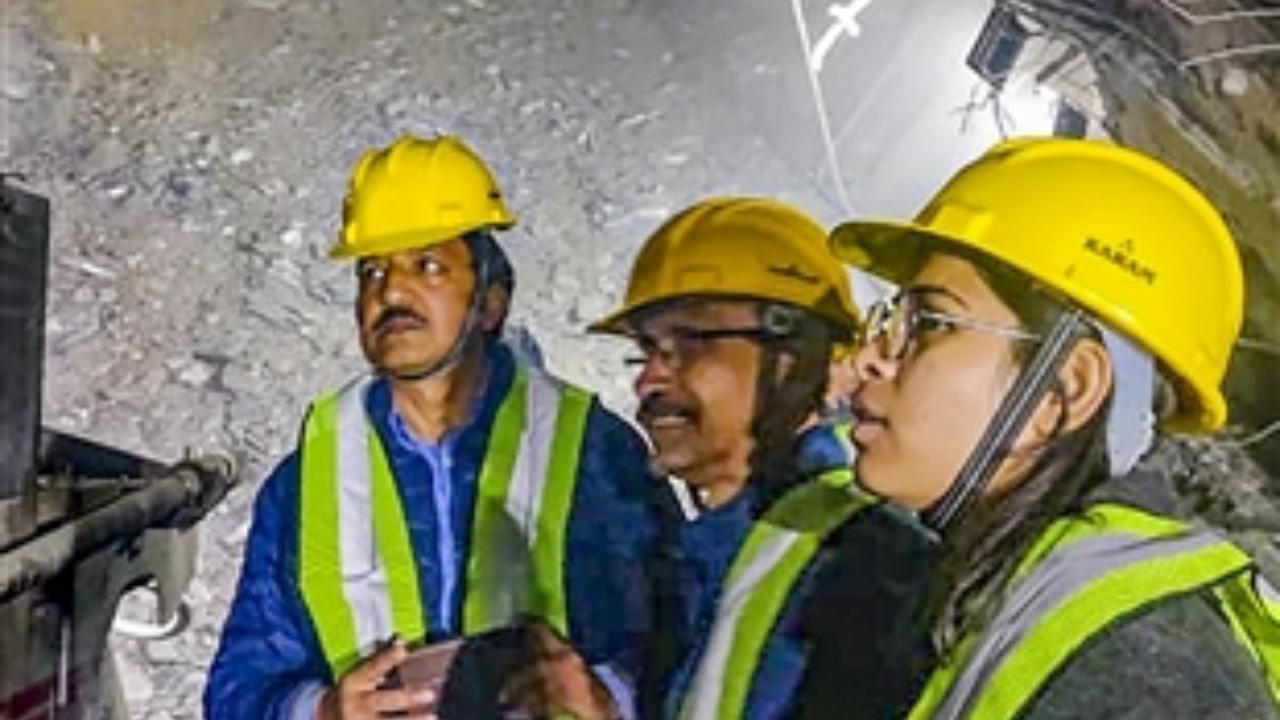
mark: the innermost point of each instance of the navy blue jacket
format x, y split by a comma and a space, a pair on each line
270, 664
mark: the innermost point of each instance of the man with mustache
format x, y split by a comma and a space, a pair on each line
452, 490
734, 306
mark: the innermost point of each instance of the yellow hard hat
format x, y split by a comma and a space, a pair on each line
1123, 236
739, 247
417, 192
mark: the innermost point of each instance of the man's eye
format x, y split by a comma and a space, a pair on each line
431, 266
690, 346
371, 273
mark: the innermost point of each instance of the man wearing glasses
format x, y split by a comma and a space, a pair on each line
734, 306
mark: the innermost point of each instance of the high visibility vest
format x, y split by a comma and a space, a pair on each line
776, 551
356, 567
1082, 575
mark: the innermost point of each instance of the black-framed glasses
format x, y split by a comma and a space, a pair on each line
682, 343
894, 323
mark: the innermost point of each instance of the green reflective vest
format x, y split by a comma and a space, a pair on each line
356, 567
1082, 575
776, 551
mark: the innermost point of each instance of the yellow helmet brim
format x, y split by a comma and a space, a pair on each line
388, 244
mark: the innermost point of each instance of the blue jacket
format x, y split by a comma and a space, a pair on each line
270, 664
696, 556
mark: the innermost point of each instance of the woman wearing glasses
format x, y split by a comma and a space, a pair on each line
1062, 301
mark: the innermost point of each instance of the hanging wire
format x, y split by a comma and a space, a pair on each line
1092, 41
1250, 440
1231, 52
1036, 9
1259, 345
1218, 17
820, 105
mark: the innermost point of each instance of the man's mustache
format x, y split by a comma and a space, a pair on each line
393, 314
661, 404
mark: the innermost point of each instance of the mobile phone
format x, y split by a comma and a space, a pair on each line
427, 666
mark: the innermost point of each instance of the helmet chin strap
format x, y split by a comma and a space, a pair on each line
451, 358
1015, 410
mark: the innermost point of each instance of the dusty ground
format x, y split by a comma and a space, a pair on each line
196, 152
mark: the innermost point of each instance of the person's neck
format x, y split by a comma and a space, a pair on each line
718, 486
433, 406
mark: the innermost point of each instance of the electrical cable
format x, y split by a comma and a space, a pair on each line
1218, 17
821, 107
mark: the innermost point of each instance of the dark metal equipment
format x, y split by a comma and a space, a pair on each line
81, 524
24, 257
998, 46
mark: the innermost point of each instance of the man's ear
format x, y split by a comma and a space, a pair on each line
497, 301
786, 364
1084, 382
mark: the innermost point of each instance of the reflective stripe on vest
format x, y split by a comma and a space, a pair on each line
1253, 606
777, 550
522, 504
1086, 574
357, 571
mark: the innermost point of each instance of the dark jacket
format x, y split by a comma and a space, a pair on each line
270, 664
1178, 660
831, 599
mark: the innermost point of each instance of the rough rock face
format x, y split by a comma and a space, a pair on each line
196, 151
1221, 486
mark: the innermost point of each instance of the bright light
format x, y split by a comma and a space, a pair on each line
1028, 110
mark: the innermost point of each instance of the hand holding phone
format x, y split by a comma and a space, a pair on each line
427, 666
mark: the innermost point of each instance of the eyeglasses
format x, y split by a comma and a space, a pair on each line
893, 325
683, 344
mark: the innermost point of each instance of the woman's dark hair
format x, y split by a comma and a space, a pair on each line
783, 404
981, 553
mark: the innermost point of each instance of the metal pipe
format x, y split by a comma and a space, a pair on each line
166, 502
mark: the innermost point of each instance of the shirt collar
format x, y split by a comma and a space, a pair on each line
497, 362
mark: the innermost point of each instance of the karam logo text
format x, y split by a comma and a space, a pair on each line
1122, 256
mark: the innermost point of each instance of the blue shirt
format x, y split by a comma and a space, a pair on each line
439, 459
270, 660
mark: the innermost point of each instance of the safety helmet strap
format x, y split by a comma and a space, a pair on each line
1031, 386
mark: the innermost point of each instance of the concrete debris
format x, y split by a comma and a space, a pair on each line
241, 156
192, 372
292, 237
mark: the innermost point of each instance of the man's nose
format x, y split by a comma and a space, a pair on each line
394, 289
656, 374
